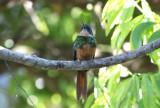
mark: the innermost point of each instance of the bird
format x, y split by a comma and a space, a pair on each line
84, 48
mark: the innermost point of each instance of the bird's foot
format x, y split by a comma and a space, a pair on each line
92, 60
34, 55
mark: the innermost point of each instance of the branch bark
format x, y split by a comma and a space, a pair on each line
41, 63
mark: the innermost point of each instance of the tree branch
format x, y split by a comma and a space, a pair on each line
41, 63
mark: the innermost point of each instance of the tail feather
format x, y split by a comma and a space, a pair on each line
82, 84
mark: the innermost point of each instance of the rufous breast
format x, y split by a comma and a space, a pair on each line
86, 52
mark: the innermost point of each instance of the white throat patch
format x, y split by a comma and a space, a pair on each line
84, 33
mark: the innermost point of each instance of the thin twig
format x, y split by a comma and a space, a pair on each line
18, 82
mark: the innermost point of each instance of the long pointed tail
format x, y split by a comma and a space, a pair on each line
82, 84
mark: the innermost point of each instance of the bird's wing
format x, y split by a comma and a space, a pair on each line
74, 51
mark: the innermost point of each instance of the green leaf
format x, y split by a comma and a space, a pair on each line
155, 54
111, 22
97, 106
140, 104
115, 36
154, 36
137, 20
126, 103
99, 102
125, 28
147, 92
125, 18
136, 35
89, 80
132, 95
120, 41
89, 101
107, 9
97, 89
114, 79
120, 93
135, 88
155, 80
127, 11
103, 76
113, 18
147, 33
125, 23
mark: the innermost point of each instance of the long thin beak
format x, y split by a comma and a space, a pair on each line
82, 21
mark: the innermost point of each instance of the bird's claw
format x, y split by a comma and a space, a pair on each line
34, 55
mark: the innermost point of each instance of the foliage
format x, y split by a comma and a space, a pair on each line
138, 90
49, 29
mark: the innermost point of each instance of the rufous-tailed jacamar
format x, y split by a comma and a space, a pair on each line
83, 49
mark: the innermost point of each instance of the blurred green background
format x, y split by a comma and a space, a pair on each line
48, 28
